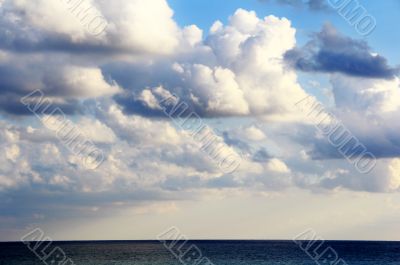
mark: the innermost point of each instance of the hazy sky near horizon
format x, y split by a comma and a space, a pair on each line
241, 66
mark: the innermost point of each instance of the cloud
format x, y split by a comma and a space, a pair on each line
370, 96
77, 82
63, 85
235, 71
139, 157
36, 26
378, 137
277, 165
110, 87
331, 52
313, 5
251, 133
60, 57
384, 178
262, 155
238, 70
368, 108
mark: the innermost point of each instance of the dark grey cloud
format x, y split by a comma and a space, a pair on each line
331, 52
17, 81
236, 142
11, 104
21, 42
134, 77
314, 5
317, 4
381, 139
262, 156
383, 147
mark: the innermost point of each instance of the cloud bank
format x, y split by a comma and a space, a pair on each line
242, 74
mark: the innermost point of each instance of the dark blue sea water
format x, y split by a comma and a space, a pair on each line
219, 252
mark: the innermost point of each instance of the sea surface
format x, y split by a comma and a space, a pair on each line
218, 252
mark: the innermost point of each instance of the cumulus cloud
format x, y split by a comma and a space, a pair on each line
331, 52
64, 85
277, 165
77, 82
371, 96
253, 133
36, 26
238, 70
368, 108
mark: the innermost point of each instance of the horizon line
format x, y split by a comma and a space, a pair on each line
157, 240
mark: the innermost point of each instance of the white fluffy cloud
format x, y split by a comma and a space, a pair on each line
276, 165
394, 174
216, 90
141, 25
253, 133
78, 82
238, 70
386, 175
136, 26
373, 96
43, 15
254, 48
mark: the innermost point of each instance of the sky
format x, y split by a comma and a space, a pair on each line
226, 119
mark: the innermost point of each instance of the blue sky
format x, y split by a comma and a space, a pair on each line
142, 115
205, 13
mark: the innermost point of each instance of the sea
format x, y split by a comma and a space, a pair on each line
212, 252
